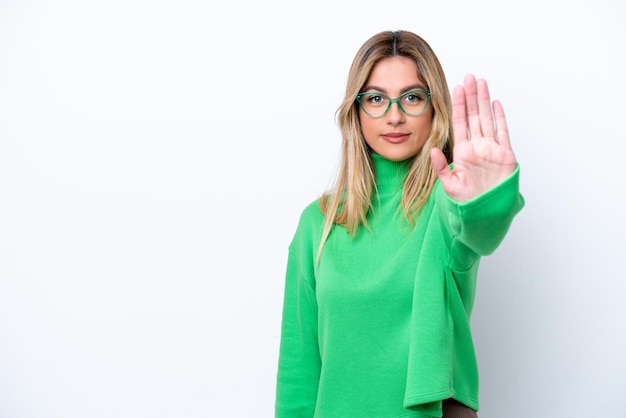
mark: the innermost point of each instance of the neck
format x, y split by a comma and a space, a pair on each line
389, 174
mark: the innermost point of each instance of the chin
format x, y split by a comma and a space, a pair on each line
396, 154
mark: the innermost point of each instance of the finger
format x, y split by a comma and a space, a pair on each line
502, 130
471, 103
459, 115
440, 164
484, 109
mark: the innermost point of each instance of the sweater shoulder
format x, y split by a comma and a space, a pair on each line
312, 213
306, 240
309, 229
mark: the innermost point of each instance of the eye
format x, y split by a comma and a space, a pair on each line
414, 97
376, 99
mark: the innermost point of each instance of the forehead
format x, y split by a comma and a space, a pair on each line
394, 74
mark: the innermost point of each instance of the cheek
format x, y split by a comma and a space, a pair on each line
424, 126
368, 128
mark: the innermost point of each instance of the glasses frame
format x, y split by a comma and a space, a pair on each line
392, 101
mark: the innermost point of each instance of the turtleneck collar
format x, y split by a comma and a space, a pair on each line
389, 174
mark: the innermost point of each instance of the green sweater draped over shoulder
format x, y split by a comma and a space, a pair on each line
380, 327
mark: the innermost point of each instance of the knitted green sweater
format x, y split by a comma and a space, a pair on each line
381, 326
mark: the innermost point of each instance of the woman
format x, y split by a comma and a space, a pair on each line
381, 274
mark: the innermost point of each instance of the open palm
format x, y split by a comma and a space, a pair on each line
482, 154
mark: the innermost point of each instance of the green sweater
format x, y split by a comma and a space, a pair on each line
381, 326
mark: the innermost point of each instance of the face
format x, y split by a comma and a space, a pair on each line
395, 135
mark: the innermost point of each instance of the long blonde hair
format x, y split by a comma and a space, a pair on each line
348, 204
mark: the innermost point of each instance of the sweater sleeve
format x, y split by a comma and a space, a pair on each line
299, 359
442, 362
478, 226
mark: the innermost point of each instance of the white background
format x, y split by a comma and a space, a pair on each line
155, 157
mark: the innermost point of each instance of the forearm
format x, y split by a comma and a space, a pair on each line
481, 224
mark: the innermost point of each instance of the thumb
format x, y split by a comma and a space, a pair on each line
440, 164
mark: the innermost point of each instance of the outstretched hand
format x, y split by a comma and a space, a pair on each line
482, 154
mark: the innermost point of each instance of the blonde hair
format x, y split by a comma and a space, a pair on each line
348, 204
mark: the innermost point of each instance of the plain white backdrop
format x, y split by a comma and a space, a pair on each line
155, 157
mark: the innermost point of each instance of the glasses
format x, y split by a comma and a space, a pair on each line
412, 103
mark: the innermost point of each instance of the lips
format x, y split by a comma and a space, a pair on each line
395, 137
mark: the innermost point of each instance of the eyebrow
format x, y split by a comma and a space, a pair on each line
416, 86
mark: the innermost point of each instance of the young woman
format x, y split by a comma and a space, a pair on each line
381, 274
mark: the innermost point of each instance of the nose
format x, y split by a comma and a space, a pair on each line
395, 115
